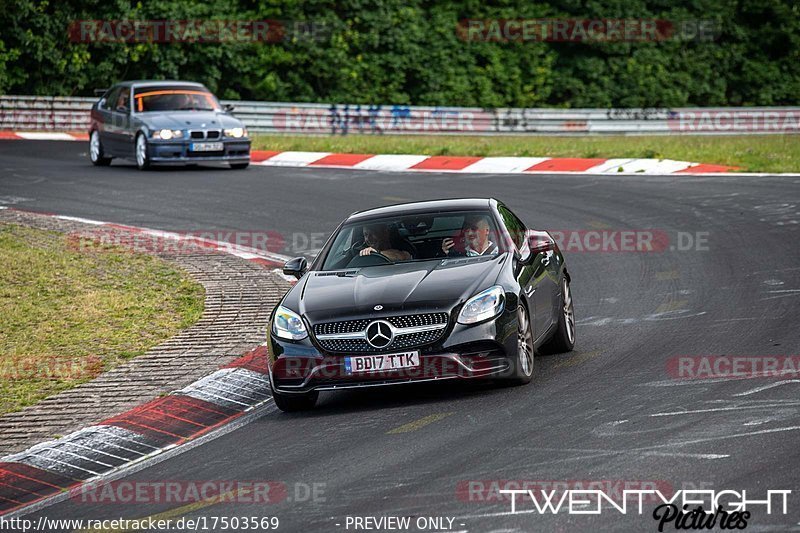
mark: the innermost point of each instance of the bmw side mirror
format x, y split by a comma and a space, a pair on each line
296, 267
537, 242
229, 107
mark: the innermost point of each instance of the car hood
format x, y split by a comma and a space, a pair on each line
182, 120
402, 288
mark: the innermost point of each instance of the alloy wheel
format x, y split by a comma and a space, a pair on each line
94, 146
524, 341
141, 151
569, 312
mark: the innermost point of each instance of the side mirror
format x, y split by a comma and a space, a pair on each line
296, 267
229, 107
536, 242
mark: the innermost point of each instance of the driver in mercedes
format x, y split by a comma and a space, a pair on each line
474, 239
377, 240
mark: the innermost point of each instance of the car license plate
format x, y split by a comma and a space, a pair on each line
376, 363
206, 147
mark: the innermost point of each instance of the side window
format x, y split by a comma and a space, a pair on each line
110, 99
123, 100
514, 226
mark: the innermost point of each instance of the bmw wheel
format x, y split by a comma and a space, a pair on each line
96, 153
142, 161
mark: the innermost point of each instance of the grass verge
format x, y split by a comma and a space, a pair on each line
752, 153
66, 315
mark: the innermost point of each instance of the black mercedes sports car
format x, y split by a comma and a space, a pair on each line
165, 122
447, 289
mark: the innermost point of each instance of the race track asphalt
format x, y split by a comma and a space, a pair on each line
610, 411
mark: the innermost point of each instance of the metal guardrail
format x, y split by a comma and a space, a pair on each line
48, 113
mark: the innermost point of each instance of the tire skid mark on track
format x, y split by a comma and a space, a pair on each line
419, 423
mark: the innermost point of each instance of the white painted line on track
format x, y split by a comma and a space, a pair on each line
45, 136
291, 159
688, 455
502, 165
654, 166
79, 219
767, 387
722, 409
609, 166
390, 162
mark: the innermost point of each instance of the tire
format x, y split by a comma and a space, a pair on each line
522, 367
292, 403
239, 166
142, 161
563, 340
96, 153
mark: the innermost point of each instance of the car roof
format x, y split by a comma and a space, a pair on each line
452, 204
157, 83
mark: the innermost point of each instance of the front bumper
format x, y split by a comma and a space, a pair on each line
466, 352
178, 151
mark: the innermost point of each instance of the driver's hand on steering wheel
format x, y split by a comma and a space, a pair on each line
368, 250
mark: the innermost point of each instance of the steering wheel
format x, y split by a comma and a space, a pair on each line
380, 255
354, 250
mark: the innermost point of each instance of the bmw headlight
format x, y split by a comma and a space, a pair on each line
236, 132
167, 134
288, 325
483, 306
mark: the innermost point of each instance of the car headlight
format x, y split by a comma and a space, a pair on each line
288, 325
167, 134
236, 132
483, 306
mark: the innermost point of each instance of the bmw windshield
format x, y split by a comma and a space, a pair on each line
172, 98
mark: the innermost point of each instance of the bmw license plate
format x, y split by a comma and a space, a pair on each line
206, 147
375, 363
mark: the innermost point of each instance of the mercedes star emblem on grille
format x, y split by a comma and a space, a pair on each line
379, 333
